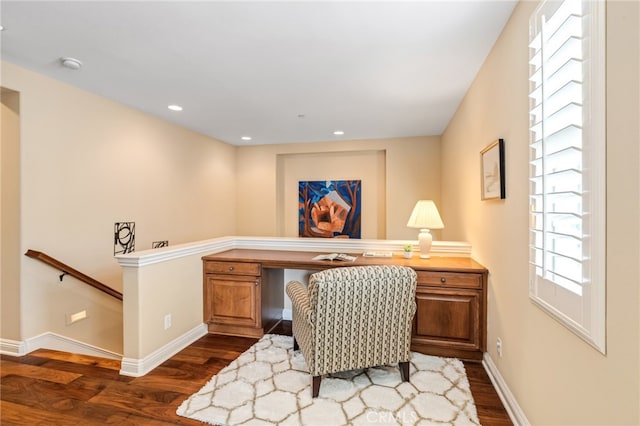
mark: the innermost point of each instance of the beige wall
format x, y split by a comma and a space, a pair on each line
10, 215
556, 378
87, 163
395, 173
158, 290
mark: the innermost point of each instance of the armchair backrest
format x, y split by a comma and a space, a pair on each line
361, 316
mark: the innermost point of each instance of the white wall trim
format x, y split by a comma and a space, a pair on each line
516, 414
12, 347
139, 367
287, 314
149, 257
54, 342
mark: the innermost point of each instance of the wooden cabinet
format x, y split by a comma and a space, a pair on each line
244, 296
450, 315
233, 298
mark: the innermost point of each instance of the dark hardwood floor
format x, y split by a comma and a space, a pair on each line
56, 388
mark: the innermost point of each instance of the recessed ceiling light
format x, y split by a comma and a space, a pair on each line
338, 133
175, 107
246, 138
1, 28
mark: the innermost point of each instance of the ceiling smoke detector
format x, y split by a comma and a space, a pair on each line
71, 63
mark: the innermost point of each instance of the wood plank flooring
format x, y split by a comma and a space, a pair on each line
57, 388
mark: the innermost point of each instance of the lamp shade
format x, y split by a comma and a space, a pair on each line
425, 216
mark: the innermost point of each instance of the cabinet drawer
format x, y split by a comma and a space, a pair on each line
450, 279
236, 268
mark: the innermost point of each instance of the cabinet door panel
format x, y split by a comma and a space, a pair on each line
448, 317
233, 301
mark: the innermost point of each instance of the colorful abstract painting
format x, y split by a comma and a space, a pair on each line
329, 208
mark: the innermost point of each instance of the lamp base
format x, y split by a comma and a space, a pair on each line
425, 240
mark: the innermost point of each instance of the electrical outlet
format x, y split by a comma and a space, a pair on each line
167, 321
499, 347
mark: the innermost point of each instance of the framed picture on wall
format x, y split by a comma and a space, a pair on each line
492, 171
329, 208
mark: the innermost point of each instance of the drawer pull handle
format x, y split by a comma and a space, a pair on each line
231, 268
443, 280
257, 282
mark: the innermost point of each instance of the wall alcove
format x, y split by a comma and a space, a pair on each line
369, 166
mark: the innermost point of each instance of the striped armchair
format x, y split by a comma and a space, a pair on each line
354, 317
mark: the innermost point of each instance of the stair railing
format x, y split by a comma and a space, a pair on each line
68, 270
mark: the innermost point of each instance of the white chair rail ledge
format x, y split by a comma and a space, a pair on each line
216, 245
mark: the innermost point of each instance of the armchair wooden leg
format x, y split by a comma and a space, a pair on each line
295, 344
404, 370
315, 386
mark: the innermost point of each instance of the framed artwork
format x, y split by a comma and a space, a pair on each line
329, 208
492, 171
124, 237
159, 244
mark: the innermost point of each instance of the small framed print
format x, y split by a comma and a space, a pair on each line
160, 244
124, 238
492, 169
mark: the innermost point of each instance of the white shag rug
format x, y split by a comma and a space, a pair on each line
269, 384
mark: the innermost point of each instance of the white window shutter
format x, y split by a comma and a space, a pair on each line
567, 158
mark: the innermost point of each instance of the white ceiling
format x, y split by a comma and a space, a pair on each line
371, 69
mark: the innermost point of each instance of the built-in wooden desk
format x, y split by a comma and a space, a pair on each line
244, 296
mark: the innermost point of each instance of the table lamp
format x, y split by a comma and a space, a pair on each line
425, 216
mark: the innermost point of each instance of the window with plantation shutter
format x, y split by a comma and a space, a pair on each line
567, 165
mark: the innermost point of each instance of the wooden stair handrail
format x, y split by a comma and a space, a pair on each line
66, 269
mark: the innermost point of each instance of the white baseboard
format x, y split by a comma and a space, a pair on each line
54, 342
139, 367
12, 347
286, 314
516, 414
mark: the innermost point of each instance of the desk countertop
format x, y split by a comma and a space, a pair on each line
304, 260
